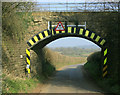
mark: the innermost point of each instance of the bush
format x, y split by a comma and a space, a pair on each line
93, 65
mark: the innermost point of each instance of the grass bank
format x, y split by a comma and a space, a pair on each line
93, 67
20, 85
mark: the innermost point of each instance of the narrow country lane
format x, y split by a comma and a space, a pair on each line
71, 79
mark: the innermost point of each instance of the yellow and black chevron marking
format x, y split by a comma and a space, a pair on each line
70, 30
28, 59
77, 31
28, 56
38, 37
105, 63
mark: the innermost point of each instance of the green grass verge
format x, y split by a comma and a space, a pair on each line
20, 85
93, 66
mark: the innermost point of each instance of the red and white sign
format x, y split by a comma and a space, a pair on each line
60, 27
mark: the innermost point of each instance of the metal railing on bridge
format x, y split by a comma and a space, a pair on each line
76, 7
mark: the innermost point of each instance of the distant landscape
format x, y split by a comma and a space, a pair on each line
79, 51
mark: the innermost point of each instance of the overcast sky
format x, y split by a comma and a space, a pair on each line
70, 42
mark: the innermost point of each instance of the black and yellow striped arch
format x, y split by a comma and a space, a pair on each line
75, 31
71, 30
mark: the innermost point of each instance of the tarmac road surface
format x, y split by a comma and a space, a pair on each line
72, 79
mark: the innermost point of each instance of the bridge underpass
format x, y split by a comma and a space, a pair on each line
65, 79
43, 38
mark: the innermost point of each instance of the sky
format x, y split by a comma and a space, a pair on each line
63, 1
71, 42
